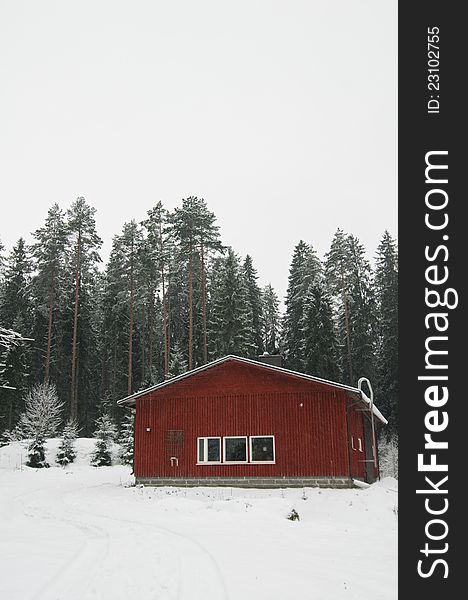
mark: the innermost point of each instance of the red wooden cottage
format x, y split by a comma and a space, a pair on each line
241, 422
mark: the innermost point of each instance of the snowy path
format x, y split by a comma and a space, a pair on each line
82, 535
97, 548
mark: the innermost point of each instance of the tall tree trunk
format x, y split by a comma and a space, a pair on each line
143, 343
190, 299
150, 327
168, 328
203, 292
165, 336
49, 327
73, 395
130, 335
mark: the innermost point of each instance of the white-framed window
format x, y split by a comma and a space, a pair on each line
359, 444
209, 450
262, 449
235, 449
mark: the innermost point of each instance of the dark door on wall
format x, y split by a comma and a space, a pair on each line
369, 464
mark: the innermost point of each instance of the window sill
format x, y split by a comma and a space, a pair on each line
256, 462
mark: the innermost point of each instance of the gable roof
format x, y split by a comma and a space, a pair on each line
131, 400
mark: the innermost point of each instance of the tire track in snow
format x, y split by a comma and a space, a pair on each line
73, 578
199, 578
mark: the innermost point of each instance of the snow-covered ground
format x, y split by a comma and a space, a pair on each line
85, 533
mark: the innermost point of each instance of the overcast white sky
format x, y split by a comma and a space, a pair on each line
281, 114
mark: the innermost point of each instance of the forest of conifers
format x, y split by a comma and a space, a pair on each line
172, 297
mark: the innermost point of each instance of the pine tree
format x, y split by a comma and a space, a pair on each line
155, 273
209, 243
126, 438
196, 234
105, 434
82, 231
66, 453
386, 285
48, 252
184, 226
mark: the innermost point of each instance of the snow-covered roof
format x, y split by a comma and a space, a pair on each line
130, 400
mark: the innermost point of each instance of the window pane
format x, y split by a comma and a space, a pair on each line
214, 451
262, 449
236, 449
201, 450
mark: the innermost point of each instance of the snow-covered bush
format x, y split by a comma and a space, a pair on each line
388, 457
42, 415
40, 420
66, 452
126, 438
105, 434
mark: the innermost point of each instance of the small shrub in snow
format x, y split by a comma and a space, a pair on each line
66, 453
105, 434
294, 515
126, 438
388, 457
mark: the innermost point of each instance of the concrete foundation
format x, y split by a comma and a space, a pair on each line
248, 482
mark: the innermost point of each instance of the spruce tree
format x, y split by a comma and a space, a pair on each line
178, 363
349, 277
304, 271
66, 453
320, 346
271, 320
362, 312
254, 306
386, 286
16, 313
105, 434
337, 269
36, 454
230, 329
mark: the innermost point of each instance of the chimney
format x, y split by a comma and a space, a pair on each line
276, 360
